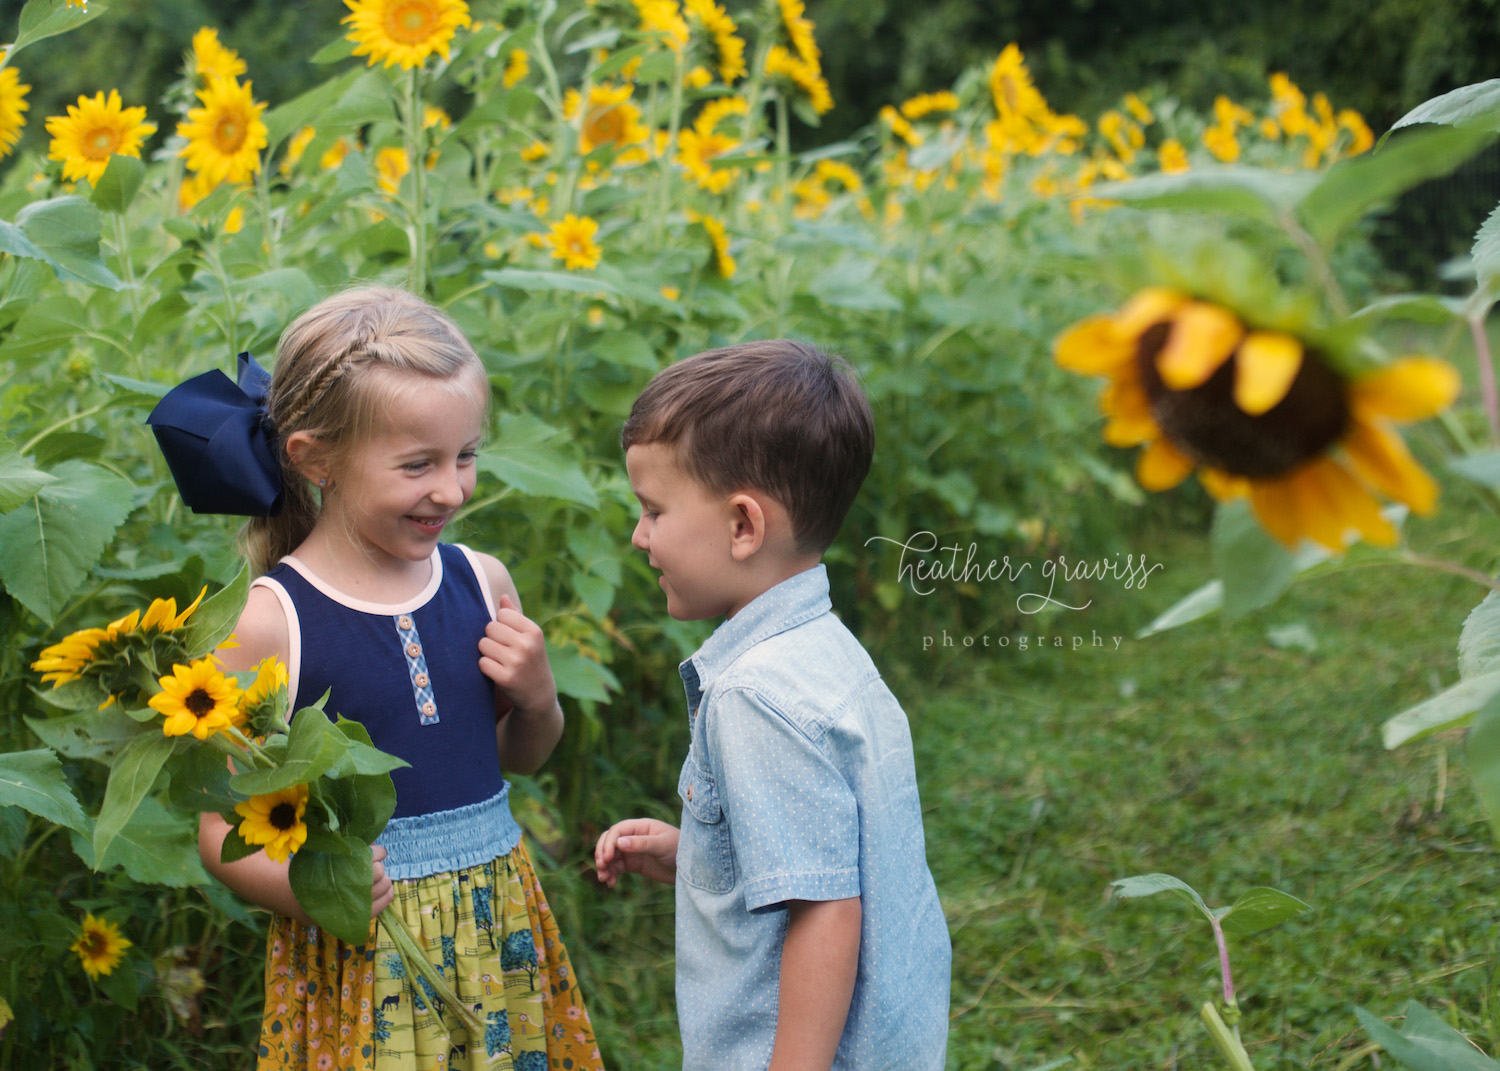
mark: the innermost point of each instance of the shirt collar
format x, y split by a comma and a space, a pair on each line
795, 600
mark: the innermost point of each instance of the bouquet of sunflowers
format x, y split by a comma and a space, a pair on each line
147, 692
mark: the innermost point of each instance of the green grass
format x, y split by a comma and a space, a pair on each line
1207, 753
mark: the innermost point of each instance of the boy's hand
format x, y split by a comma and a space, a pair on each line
640, 845
513, 654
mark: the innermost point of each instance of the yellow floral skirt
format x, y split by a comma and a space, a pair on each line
488, 929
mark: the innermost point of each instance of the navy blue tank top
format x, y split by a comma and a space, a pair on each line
409, 672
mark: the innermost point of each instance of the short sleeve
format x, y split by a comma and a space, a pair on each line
793, 819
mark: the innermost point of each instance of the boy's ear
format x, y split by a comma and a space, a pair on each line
747, 532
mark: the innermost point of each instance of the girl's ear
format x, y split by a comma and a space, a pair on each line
307, 457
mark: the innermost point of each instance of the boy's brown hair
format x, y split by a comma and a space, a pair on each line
778, 416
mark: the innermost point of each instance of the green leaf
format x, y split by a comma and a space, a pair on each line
1254, 567
235, 847
1479, 642
130, 779
200, 780
1200, 603
156, 847
1449, 709
1482, 468
1486, 252
1150, 884
617, 61
850, 284
544, 281
216, 617
1259, 909
1350, 189
13, 240
1483, 754
1476, 105
98, 735
47, 18
66, 230
34, 781
360, 756
313, 747
334, 890
522, 456
119, 184
49, 326
48, 546
627, 349
1251, 192
85, 693
580, 677
19, 482
1425, 1042
1421, 308
161, 315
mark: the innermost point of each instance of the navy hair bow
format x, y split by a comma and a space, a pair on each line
216, 439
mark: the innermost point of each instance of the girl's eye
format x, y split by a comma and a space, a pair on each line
414, 466
468, 457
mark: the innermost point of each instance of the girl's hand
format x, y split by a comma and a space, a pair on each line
382, 892
640, 845
513, 654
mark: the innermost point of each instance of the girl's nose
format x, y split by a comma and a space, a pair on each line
449, 490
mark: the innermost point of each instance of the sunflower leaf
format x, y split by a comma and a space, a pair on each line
1482, 468
1150, 884
1425, 1042
1254, 567
1482, 751
34, 781
19, 481
1479, 642
235, 847
156, 847
119, 184
200, 781
1253, 192
1451, 708
1471, 105
1259, 909
130, 779
1486, 252
41, 19
312, 749
334, 890
214, 620
95, 734
66, 230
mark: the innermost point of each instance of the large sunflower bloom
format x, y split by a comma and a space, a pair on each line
226, 134
100, 946
67, 659
12, 104
1259, 414
95, 129
404, 31
275, 821
572, 242
196, 699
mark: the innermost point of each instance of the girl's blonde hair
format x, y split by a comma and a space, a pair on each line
332, 379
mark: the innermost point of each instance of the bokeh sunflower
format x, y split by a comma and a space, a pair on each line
404, 31
608, 117
100, 946
1260, 414
12, 104
211, 59
274, 821
196, 698
95, 129
571, 240
718, 239
225, 135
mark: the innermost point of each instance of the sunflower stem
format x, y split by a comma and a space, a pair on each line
1319, 261
783, 159
674, 127
1443, 565
1486, 362
1227, 1041
415, 960
417, 217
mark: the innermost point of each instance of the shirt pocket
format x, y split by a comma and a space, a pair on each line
705, 859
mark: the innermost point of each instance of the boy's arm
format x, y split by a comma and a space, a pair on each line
819, 960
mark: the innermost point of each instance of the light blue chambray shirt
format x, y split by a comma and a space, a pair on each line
800, 785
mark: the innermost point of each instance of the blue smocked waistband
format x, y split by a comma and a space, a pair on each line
424, 844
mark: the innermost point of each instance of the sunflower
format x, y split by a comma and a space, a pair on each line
391, 166
807, 77
1259, 414
663, 17
728, 47
799, 31
719, 239
900, 126
572, 242
275, 821
270, 679
68, 659
100, 946
1172, 157
924, 104
813, 193
404, 31
95, 129
226, 134
12, 104
161, 615
516, 68
295, 147
608, 117
196, 698
699, 146
211, 59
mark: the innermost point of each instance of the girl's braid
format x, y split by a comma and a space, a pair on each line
331, 372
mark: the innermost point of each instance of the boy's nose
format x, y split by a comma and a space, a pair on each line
638, 537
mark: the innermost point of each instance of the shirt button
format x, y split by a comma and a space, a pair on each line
429, 708
690, 793
404, 622
414, 649
421, 680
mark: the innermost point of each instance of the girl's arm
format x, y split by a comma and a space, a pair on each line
819, 959
262, 632
513, 654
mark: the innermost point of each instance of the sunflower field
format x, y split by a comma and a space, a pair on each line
594, 190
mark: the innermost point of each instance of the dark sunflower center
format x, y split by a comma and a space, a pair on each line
199, 702
284, 816
95, 944
1206, 424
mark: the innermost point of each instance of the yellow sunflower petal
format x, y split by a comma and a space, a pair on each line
1264, 368
1093, 347
1382, 460
1351, 504
1223, 486
1276, 506
1202, 338
1162, 466
181, 619
1148, 307
1129, 412
1322, 502
1413, 388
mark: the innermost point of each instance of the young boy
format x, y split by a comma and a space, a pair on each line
809, 932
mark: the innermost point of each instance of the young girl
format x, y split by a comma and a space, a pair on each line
376, 407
